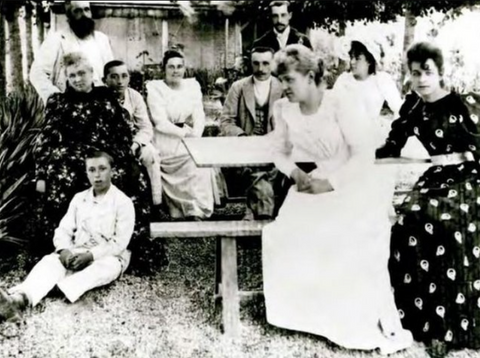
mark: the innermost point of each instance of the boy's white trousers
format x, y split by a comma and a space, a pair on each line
49, 272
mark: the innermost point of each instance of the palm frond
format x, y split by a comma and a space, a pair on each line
21, 119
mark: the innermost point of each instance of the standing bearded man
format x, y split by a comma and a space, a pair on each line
47, 73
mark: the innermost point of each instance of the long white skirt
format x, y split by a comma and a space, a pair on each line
188, 190
325, 267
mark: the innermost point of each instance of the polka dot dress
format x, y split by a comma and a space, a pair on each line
435, 247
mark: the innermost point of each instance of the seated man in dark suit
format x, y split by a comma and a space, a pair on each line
248, 111
282, 33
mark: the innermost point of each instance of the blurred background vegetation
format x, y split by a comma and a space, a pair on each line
452, 24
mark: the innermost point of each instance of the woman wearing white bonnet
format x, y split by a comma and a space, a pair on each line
373, 86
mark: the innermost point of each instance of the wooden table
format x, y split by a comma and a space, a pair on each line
230, 151
212, 152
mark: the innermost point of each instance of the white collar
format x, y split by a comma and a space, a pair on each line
283, 34
262, 83
91, 196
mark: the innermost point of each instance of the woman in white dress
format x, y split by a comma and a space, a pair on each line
176, 109
373, 86
325, 256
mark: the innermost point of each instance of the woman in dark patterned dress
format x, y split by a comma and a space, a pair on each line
435, 248
82, 119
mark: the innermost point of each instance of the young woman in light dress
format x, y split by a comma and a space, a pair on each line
374, 86
325, 256
176, 109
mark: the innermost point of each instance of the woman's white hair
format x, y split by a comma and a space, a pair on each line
75, 59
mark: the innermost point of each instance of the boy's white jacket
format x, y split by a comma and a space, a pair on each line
104, 227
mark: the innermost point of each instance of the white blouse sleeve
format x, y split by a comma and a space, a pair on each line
357, 129
281, 144
198, 114
390, 92
157, 106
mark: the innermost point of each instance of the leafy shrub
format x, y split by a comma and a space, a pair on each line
21, 118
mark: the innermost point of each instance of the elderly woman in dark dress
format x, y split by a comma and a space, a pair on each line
435, 249
82, 119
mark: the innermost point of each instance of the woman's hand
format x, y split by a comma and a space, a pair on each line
147, 155
301, 178
319, 186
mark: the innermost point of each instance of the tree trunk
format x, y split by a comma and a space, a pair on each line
408, 39
3, 69
342, 64
39, 23
29, 35
15, 42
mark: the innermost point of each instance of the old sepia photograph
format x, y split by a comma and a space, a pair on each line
240, 179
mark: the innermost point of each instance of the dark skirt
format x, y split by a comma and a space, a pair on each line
435, 256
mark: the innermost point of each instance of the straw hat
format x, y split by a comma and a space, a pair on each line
342, 45
372, 46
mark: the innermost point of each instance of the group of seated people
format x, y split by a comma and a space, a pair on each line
330, 256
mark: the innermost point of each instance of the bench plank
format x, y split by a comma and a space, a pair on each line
196, 229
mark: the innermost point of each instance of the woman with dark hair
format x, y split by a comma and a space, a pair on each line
83, 119
373, 86
435, 250
177, 112
325, 256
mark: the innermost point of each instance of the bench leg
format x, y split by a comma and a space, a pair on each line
218, 271
230, 299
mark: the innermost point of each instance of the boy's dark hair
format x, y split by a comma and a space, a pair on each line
110, 65
99, 154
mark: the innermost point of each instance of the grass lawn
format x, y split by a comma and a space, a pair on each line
167, 315
170, 314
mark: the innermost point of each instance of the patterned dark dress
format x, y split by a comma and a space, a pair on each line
77, 123
435, 248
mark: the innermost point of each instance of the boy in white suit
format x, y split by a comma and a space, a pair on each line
90, 244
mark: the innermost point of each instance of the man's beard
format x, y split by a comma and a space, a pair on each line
82, 27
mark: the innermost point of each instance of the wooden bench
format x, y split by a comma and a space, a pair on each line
226, 275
